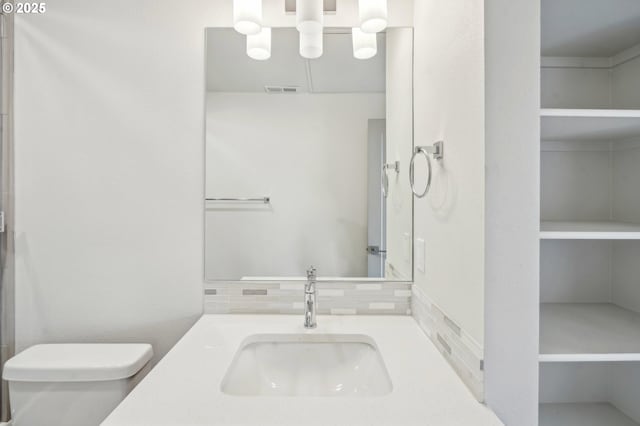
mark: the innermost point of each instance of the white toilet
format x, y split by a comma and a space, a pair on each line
71, 384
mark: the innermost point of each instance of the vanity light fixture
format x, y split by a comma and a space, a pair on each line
247, 16
309, 23
373, 15
364, 44
259, 45
311, 45
309, 16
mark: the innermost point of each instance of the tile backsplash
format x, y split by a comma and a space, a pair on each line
458, 348
337, 298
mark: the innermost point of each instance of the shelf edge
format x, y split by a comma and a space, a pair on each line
589, 113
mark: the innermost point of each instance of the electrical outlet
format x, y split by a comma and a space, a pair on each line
420, 255
406, 249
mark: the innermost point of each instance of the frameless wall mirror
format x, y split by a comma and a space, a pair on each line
307, 159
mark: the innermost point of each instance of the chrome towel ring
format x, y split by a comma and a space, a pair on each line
437, 150
395, 166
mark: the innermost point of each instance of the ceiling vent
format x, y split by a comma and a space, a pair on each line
281, 89
329, 6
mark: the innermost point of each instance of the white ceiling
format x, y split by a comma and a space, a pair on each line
589, 28
229, 69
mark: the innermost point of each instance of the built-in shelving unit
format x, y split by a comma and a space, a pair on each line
592, 230
588, 332
589, 124
590, 211
594, 414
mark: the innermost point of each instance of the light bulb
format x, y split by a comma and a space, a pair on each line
373, 15
309, 16
259, 45
311, 45
365, 45
247, 16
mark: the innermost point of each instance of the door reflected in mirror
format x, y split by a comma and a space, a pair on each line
307, 159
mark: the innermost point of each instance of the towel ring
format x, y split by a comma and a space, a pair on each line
395, 166
437, 150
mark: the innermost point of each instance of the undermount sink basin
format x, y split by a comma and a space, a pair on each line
307, 365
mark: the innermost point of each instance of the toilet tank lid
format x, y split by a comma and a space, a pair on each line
77, 362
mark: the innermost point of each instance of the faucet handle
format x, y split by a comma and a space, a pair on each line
311, 273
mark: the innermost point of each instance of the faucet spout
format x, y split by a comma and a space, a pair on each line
310, 306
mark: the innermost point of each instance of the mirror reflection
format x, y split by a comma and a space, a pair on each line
307, 159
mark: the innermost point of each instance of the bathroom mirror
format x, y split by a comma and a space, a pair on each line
307, 159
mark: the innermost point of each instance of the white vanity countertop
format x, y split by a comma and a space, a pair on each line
184, 388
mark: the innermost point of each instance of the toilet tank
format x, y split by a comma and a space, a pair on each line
71, 384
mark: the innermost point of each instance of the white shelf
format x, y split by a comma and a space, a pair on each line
583, 414
589, 231
589, 124
588, 332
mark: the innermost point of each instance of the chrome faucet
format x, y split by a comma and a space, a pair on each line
310, 299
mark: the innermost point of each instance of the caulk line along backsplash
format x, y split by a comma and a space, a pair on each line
336, 298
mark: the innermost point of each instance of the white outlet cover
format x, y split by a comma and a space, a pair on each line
406, 248
420, 255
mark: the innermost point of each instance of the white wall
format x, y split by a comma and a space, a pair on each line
109, 172
574, 382
399, 99
576, 182
309, 154
625, 274
449, 106
575, 88
512, 209
625, 87
615, 382
626, 207
575, 271
625, 178
476, 87
624, 391
110, 165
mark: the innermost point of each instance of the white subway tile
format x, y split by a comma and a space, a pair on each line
331, 293
342, 311
369, 287
382, 305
